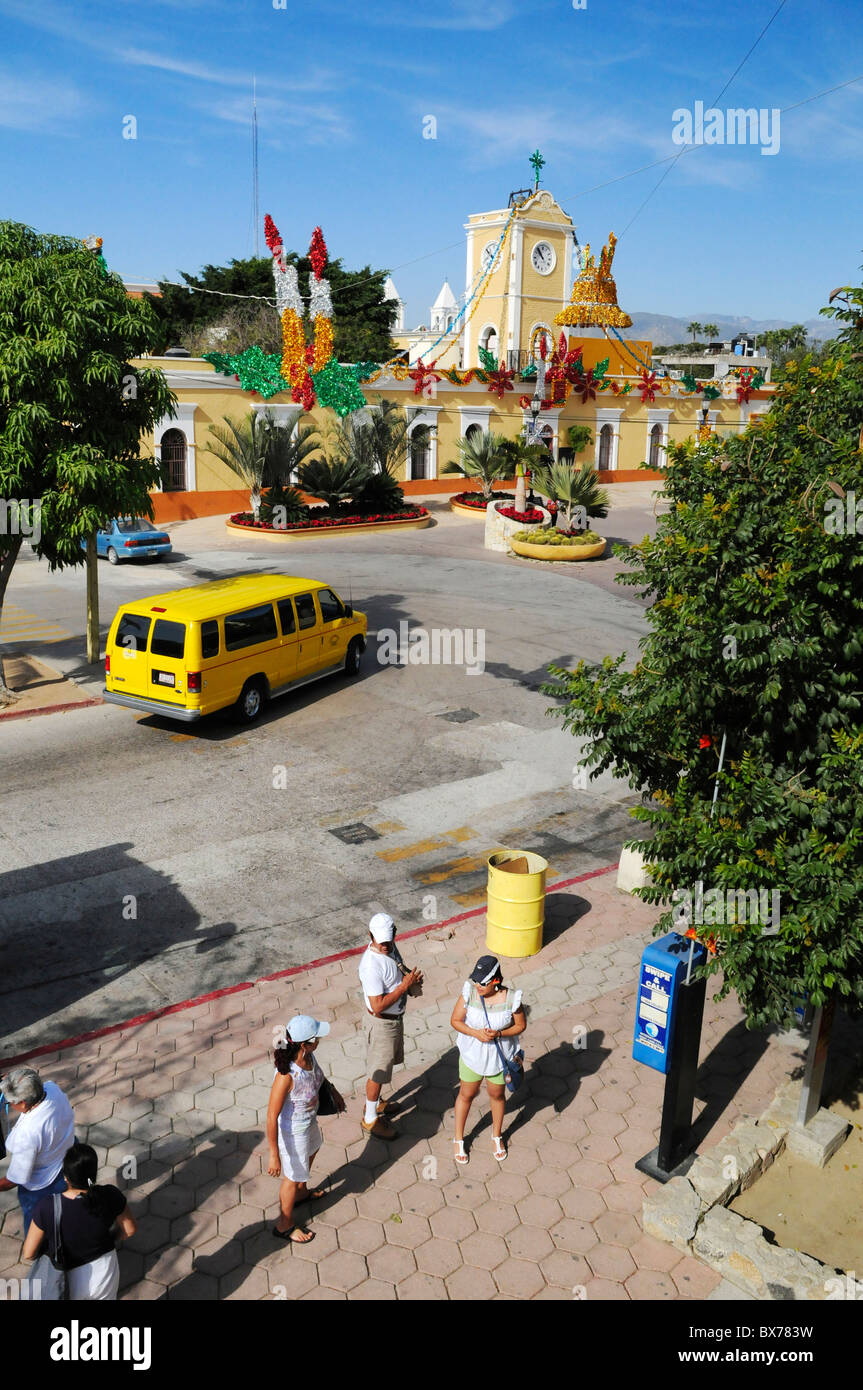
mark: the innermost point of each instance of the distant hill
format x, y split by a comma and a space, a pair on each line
661, 328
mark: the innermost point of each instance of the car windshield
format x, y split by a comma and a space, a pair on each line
136, 523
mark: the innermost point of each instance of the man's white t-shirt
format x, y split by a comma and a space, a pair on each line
38, 1140
379, 974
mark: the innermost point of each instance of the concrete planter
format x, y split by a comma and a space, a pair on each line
499, 530
466, 511
555, 552
314, 532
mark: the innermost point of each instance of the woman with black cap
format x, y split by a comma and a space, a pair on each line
488, 1019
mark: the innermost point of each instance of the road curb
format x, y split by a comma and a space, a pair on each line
153, 1015
51, 709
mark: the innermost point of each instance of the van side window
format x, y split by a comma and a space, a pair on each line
286, 616
306, 615
210, 638
250, 627
169, 639
331, 607
132, 632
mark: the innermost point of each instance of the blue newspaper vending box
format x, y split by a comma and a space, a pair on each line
663, 970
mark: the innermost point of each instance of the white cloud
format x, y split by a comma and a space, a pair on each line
319, 123
37, 104
318, 80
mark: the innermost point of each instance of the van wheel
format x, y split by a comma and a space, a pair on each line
354, 657
112, 555
253, 698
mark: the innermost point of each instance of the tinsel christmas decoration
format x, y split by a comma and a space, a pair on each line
594, 295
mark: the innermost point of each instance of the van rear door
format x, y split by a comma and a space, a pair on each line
129, 662
166, 664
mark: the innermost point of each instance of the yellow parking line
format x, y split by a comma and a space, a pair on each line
468, 865
449, 837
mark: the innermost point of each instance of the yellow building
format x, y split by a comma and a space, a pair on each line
531, 252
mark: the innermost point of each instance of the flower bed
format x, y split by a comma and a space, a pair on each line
476, 501
327, 522
532, 515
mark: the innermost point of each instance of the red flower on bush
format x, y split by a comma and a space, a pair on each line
532, 515
704, 741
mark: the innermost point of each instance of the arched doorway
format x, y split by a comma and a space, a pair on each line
606, 439
174, 460
420, 452
655, 455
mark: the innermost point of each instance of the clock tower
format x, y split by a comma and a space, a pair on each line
530, 253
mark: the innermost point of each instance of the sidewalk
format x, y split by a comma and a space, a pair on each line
176, 1108
40, 689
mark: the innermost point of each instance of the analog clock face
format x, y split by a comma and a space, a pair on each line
488, 253
543, 258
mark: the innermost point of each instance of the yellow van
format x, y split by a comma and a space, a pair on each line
231, 643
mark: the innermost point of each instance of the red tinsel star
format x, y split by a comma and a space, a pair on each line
585, 386
744, 389
424, 376
318, 252
500, 381
648, 387
271, 233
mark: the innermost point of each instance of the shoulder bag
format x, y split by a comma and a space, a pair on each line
49, 1271
513, 1072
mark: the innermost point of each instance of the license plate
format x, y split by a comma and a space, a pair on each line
153, 550
163, 678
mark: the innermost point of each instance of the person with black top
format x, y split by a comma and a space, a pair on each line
88, 1217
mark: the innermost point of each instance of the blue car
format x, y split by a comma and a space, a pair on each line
131, 538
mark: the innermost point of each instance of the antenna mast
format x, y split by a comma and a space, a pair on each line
255, 202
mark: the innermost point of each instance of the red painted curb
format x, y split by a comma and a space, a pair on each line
51, 709
264, 979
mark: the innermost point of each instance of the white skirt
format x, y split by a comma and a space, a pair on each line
98, 1280
296, 1152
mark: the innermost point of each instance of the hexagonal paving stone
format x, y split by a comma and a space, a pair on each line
529, 1243
339, 1214
377, 1204
536, 1210
326, 1243
611, 1262
693, 1279
439, 1257
469, 1284
423, 1198
650, 1253
239, 1219
214, 1098
484, 1250
550, 1182
452, 1223
650, 1284
606, 1291
508, 1187
149, 1127
518, 1278
249, 1285
172, 1201
409, 1230
466, 1194
588, 1174
195, 1228
574, 1236
624, 1196
617, 1228
217, 1196
288, 1280
496, 1217
607, 1122
321, 1294
566, 1270
372, 1291
172, 1265
392, 1263
424, 1287
261, 1192
361, 1236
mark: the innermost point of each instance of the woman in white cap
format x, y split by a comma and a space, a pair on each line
293, 1132
488, 1019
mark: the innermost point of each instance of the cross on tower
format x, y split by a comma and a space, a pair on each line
537, 161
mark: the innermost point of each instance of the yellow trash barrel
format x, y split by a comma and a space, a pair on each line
516, 902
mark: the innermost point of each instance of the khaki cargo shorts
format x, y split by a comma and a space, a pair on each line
386, 1047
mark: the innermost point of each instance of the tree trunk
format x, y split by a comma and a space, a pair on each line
93, 652
7, 696
816, 1062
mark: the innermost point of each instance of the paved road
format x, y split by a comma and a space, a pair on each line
143, 862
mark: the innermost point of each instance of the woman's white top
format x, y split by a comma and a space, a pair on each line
301, 1106
38, 1140
484, 1058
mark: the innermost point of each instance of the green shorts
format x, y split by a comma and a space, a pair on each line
465, 1074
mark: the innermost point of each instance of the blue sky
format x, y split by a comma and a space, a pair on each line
343, 90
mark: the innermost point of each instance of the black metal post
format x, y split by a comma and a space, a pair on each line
673, 1152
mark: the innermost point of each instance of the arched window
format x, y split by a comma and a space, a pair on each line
606, 437
174, 460
474, 433
546, 434
655, 456
488, 339
420, 452
449, 323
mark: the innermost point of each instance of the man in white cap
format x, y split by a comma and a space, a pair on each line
385, 988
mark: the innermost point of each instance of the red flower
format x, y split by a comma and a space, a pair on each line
648, 387
501, 380
704, 741
585, 386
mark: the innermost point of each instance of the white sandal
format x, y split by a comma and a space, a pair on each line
499, 1150
460, 1156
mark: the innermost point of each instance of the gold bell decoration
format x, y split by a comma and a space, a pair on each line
594, 295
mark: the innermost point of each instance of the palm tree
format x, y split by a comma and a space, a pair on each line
710, 330
693, 328
243, 445
375, 447
287, 451
795, 337
333, 479
572, 487
482, 456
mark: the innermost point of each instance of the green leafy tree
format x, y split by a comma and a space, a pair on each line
694, 328
72, 408
335, 479
484, 456
377, 446
199, 321
242, 445
709, 330
756, 641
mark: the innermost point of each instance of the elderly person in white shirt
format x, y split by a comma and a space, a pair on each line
37, 1143
386, 981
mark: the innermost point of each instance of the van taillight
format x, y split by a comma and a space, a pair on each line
107, 664
193, 682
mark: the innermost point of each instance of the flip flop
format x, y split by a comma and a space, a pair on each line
289, 1235
311, 1196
